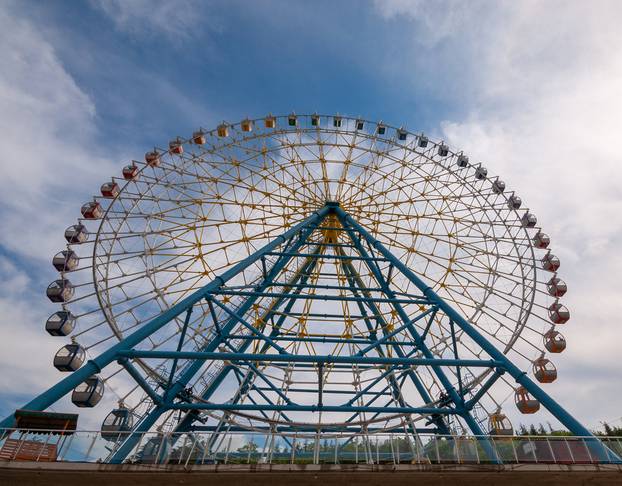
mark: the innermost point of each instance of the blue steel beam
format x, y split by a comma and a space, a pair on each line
291, 407
300, 358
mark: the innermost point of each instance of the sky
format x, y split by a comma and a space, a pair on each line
531, 89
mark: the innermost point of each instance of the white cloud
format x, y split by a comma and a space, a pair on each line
177, 19
49, 166
540, 86
47, 128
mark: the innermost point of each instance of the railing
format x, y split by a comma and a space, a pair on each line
197, 448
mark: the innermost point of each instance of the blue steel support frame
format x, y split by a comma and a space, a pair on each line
95, 365
356, 280
442, 377
520, 376
305, 228
301, 276
291, 241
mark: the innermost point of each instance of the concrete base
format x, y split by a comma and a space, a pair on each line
82, 474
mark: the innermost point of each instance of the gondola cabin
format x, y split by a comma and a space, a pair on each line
198, 137
498, 186
558, 313
69, 358
556, 287
514, 202
153, 158
88, 393
92, 210
525, 402
270, 121
65, 261
541, 240
176, 147
481, 173
60, 290
116, 424
222, 130
76, 233
130, 172
529, 220
109, 190
60, 323
550, 262
554, 342
544, 370
247, 125
499, 424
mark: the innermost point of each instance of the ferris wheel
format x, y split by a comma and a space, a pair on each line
380, 226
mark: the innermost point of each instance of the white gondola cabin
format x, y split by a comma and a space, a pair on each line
60, 323
544, 370
554, 342
65, 261
92, 210
525, 402
88, 393
360, 124
69, 358
117, 424
60, 290
337, 122
76, 233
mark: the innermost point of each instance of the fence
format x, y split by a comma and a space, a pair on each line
277, 448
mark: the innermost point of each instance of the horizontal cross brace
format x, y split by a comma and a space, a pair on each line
324, 359
330, 257
222, 291
291, 407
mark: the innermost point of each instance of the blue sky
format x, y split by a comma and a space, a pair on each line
533, 90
